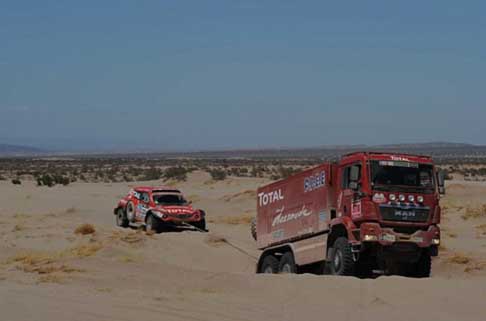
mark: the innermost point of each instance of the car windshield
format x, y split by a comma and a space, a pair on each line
169, 199
393, 175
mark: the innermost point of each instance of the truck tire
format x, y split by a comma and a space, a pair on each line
422, 269
121, 218
287, 264
269, 265
253, 229
130, 212
342, 262
152, 224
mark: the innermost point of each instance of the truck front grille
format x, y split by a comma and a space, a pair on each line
404, 214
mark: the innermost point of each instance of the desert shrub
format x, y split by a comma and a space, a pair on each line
127, 178
51, 180
62, 180
218, 174
45, 180
177, 173
2, 178
85, 229
257, 171
152, 174
16, 181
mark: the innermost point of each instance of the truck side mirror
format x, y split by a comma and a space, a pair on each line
353, 186
441, 182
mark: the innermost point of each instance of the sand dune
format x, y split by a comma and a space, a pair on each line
47, 272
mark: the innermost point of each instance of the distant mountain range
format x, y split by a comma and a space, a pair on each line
441, 149
18, 150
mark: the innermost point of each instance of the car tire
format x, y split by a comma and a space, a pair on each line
287, 264
200, 225
153, 224
342, 262
121, 218
130, 211
269, 265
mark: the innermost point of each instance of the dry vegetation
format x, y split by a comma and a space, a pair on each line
475, 212
481, 229
85, 229
50, 172
86, 250
48, 266
215, 240
459, 258
132, 238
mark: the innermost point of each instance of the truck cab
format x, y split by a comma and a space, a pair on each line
389, 205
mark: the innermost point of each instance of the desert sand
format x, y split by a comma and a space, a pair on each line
48, 272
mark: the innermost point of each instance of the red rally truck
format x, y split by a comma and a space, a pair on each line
369, 213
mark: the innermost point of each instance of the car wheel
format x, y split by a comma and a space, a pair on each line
152, 224
201, 225
130, 211
121, 218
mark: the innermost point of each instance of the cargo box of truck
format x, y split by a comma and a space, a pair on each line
295, 208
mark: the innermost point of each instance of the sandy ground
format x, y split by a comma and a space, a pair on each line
47, 272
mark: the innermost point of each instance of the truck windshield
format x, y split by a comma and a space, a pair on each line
397, 175
169, 199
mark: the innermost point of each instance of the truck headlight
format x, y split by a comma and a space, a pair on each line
436, 241
418, 239
401, 198
389, 237
370, 238
420, 199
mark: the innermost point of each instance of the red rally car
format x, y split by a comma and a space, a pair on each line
156, 208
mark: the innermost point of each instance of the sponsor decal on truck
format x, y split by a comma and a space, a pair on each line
283, 218
314, 182
265, 199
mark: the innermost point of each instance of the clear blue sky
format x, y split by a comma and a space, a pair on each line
232, 74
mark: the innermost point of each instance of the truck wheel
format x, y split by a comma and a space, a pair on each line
287, 264
121, 218
130, 211
253, 229
342, 262
269, 265
152, 224
423, 267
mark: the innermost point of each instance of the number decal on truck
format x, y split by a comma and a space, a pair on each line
356, 210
